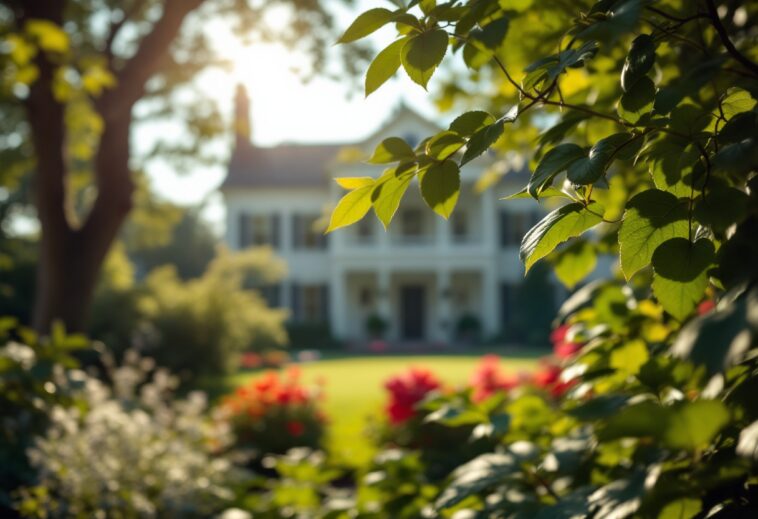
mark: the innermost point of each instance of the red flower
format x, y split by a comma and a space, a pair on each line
295, 428
250, 360
406, 391
706, 306
562, 346
488, 379
549, 379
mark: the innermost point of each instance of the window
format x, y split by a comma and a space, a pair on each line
306, 233
508, 295
412, 222
366, 297
513, 227
258, 229
310, 303
272, 294
459, 225
364, 230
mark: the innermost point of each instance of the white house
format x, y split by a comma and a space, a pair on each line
422, 277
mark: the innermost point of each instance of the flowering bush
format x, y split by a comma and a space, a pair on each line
130, 450
406, 391
275, 413
489, 379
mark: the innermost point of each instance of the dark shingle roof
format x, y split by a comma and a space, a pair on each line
288, 165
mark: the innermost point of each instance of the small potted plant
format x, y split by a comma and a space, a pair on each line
469, 328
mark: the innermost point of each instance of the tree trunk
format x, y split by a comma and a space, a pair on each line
70, 259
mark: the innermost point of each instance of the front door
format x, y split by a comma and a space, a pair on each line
412, 311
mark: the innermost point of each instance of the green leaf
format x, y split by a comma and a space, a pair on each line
468, 123
384, 66
716, 340
481, 140
629, 358
389, 191
684, 508
422, 53
747, 447
684, 425
672, 162
721, 207
651, 218
444, 144
638, 101
548, 192
440, 186
351, 208
516, 5
574, 263
694, 424
475, 476
492, 35
681, 274
566, 222
589, 169
366, 23
354, 182
554, 65
392, 149
638, 62
553, 162
736, 101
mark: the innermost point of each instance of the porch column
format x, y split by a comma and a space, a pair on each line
383, 300
443, 330
490, 325
338, 303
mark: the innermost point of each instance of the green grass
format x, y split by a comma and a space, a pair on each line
354, 391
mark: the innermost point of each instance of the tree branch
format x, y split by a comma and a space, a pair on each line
151, 53
721, 30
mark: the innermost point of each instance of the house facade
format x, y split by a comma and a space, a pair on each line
424, 278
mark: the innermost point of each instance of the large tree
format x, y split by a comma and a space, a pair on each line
72, 74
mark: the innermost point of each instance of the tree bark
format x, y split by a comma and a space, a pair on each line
70, 259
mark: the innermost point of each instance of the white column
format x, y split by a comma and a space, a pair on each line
285, 233
489, 221
443, 321
384, 301
490, 305
338, 302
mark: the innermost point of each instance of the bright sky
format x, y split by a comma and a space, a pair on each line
284, 109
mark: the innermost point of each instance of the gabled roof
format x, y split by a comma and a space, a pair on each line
293, 165
290, 165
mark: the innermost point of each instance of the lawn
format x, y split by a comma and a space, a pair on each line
354, 390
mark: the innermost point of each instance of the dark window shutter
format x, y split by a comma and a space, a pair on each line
504, 229
297, 231
324, 303
295, 302
244, 234
274, 238
506, 297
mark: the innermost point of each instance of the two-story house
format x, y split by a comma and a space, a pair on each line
422, 276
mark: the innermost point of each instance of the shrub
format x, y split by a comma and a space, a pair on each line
376, 326
201, 326
130, 450
35, 375
468, 328
314, 335
275, 413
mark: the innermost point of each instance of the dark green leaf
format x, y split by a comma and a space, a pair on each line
566, 222
440, 186
681, 274
637, 101
553, 162
468, 123
639, 61
392, 149
651, 218
422, 53
444, 144
481, 140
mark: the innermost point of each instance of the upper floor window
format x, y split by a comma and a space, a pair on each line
459, 225
364, 229
514, 225
306, 233
258, 229
310, 303
412, 222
